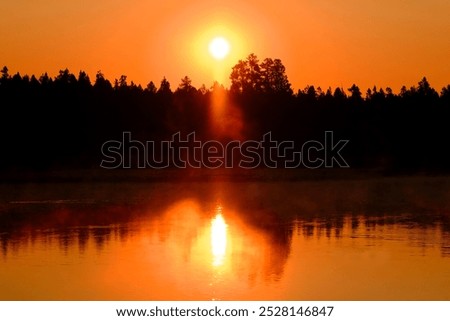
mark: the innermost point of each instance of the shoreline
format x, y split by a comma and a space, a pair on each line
204, 175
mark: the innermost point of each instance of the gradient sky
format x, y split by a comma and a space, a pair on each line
321, 42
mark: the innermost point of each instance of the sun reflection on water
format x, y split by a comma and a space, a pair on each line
218, 237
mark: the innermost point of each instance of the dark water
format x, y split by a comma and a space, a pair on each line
378, 239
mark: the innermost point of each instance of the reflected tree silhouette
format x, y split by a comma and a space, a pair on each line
272, 209
165, 228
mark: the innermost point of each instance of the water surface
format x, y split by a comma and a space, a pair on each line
378, 239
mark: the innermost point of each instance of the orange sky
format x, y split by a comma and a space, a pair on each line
321, 42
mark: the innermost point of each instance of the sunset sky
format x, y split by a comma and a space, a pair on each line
321, 42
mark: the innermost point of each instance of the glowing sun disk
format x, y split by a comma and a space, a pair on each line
219, 48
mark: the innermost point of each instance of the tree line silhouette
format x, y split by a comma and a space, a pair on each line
62, 122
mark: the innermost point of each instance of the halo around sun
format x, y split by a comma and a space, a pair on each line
219, 48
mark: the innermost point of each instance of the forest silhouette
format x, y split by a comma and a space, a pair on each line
61, 123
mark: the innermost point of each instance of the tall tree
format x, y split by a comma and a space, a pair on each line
185, 86
164, 88
246, 75
251, 76
274, 78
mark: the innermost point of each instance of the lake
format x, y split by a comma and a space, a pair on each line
343, 239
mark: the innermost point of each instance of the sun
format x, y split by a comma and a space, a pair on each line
219, 48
